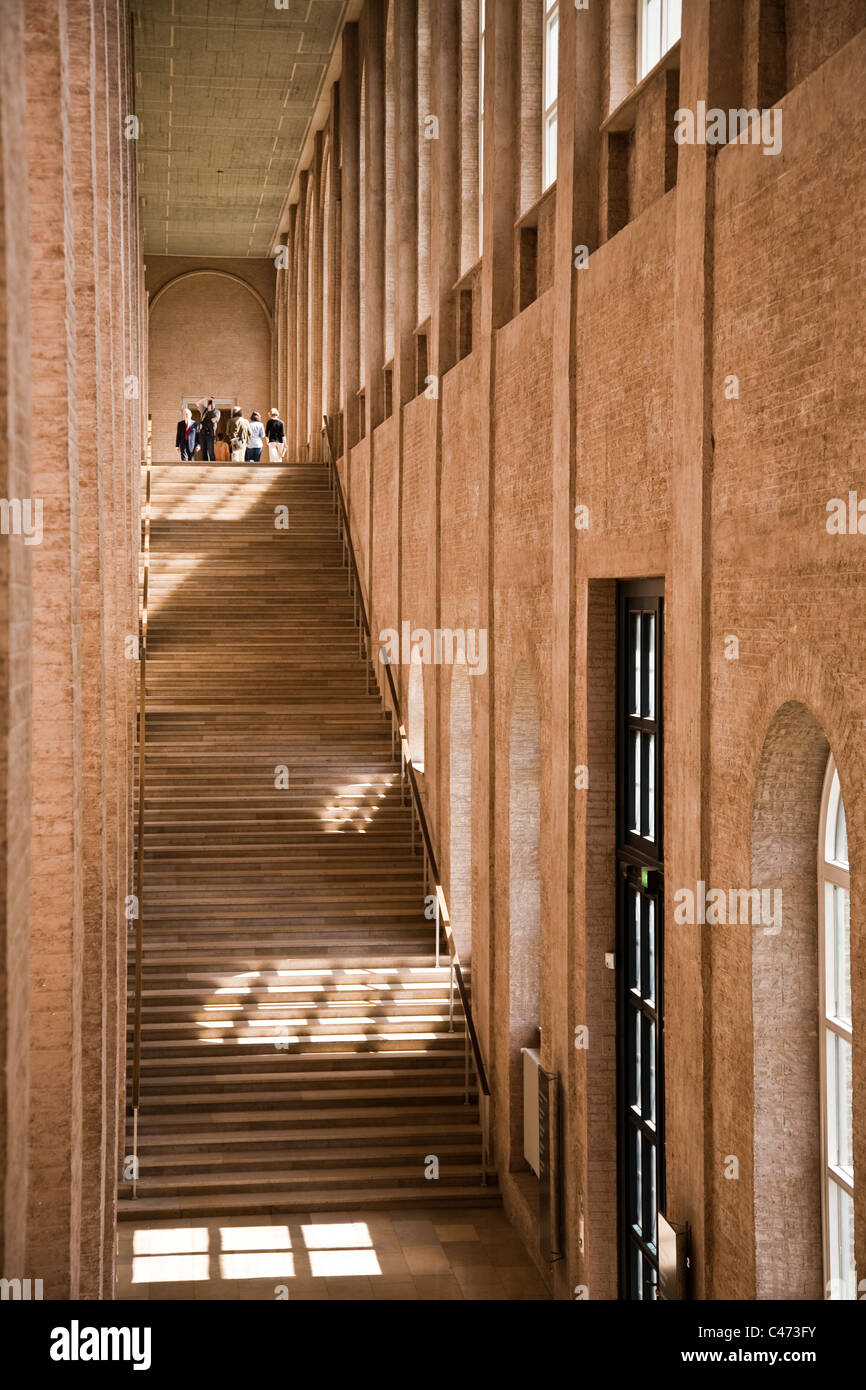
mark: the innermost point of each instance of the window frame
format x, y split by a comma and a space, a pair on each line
830, 871
640, 872
549, 111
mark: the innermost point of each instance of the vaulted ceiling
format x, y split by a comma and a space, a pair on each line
224, 91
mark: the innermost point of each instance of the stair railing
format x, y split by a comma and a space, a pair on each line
139, 854
442, 918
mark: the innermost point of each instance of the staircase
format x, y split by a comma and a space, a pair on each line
297, 1050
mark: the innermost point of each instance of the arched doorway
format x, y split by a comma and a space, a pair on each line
787, 1116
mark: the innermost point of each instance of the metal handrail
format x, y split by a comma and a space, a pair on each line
442, 919
139, 859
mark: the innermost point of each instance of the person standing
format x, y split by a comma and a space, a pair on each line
275, 433
186, 437
257, 438
239, 435
209, 421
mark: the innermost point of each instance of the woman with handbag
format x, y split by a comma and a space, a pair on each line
239, 435
275, 434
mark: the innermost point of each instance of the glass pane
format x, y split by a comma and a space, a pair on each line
840, 1221
840, 853
649, 983
551, 61
837, 951
635, 1203
649, 1194
636, 1273
634, 944
550, 150
651, 787
648, 1069
634, 674
842, 932
844, 1103
650, 691
634, 774
634, 1088
673, 22
652, 34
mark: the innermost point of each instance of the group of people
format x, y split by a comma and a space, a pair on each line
242, 441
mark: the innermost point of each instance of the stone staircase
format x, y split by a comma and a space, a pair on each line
298, 1049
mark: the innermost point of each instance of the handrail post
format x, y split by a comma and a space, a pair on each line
451, 999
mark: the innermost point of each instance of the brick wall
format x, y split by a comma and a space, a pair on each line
209, 336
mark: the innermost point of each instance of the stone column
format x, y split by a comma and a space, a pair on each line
302, 300
316, 306
445, 188
90, 1021
406, 279
15, 652
350, 237
374, 195
56, 889
333, 252
710, 72
579, 116
291, 336
496, 304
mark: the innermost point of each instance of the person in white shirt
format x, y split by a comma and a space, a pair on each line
256, 439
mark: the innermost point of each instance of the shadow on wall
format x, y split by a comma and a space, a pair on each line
209, 335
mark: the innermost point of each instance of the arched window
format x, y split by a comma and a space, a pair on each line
416, 710
835, 1042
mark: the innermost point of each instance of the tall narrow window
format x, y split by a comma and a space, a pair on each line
659, 27
482, 20
550, 87
639, 953
834, 907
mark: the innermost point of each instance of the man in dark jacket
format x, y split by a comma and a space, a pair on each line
186, 437
209, 420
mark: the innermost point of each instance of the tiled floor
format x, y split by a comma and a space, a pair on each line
473, 1254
